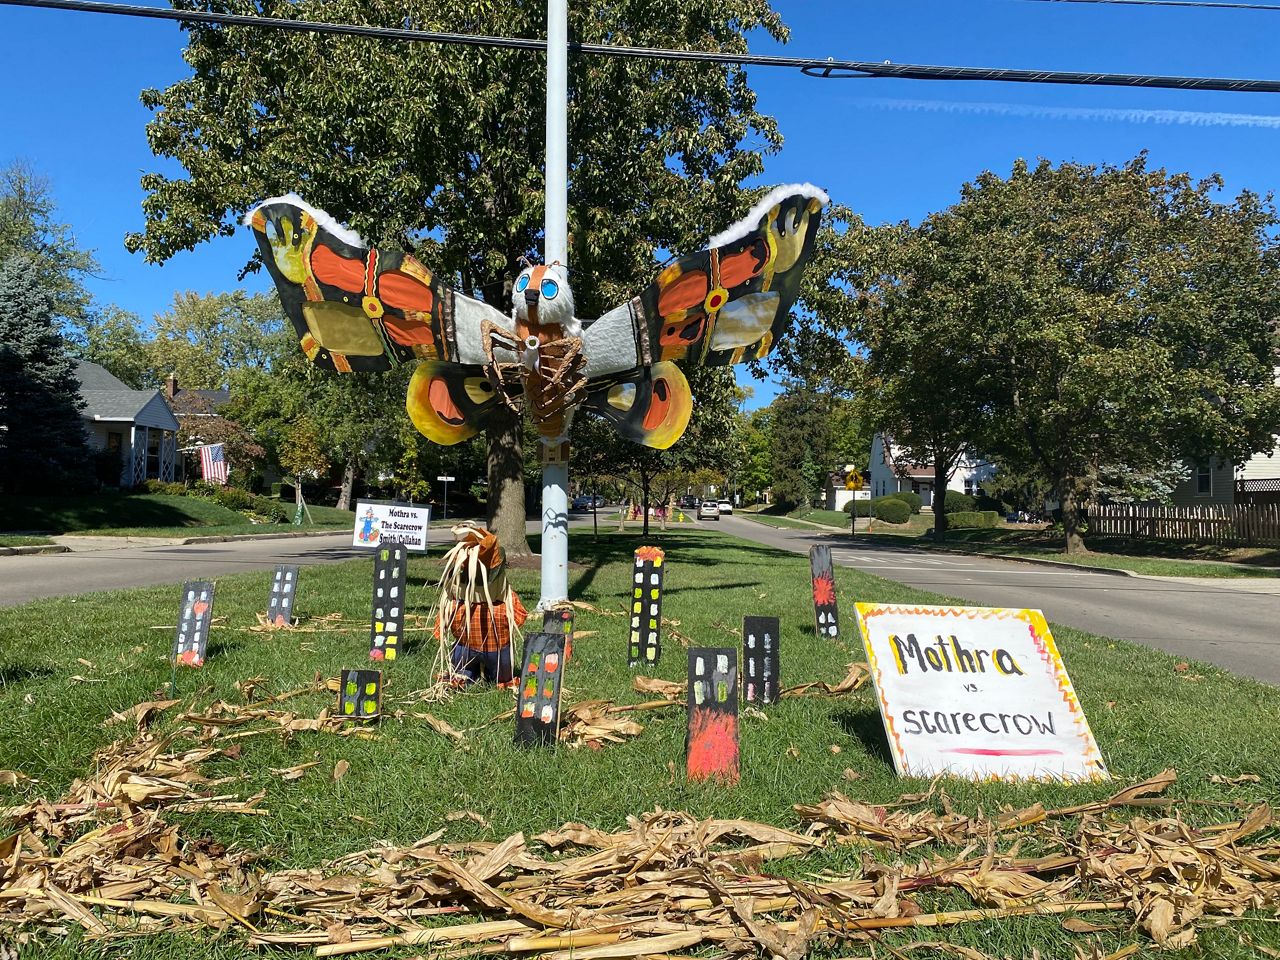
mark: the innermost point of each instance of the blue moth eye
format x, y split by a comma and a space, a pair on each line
522, 283
550, 288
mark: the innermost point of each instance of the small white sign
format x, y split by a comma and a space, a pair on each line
976, 692
379, 520
446, 479
862, 494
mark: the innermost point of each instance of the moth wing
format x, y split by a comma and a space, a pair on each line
449, 402
361, 308
648, 405
726, 304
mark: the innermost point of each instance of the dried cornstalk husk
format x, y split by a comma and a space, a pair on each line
464, 933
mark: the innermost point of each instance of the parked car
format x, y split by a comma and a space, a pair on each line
587, 503
726, 506
708, 510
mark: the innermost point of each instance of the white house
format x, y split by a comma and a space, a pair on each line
837, 491
1259, 477
891, 472
136, 423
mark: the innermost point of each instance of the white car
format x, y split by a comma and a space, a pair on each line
708, 510
725, 506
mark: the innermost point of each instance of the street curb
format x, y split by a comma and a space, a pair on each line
191, 541
32, 550
1112, 571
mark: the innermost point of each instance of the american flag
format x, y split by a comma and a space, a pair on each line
213, 465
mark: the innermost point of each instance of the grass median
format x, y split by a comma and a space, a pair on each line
1150, 558
66, 665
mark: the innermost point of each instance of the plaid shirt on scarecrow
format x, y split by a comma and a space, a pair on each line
489, 628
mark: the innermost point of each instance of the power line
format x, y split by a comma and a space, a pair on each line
1205, 4
826, 69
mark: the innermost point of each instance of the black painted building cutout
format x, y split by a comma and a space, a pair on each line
389, 579
538, 703
191, 640
760, 660
712, 742
826, 617
645, 644
284, 590
360, 694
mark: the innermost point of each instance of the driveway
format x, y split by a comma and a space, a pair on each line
1230, 623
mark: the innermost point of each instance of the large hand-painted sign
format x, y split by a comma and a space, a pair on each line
976, 692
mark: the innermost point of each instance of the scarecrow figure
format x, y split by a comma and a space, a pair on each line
478, 608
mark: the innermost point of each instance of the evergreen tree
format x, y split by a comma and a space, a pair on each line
42, 442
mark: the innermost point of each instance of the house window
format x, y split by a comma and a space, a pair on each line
115, 440
970, 488
1204, 480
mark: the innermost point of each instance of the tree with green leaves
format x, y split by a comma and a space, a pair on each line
922, 378
440, 150
811, 433
1129, 316
113, 339
29, 227
42, 440
202, 339
1091, 327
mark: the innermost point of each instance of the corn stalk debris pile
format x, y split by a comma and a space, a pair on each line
110, 859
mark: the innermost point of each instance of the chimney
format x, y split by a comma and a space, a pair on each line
171, 386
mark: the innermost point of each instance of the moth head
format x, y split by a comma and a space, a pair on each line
541, 296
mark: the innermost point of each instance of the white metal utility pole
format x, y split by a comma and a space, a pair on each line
555, 476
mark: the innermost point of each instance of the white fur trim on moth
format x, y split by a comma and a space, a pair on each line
345, 234
752, 220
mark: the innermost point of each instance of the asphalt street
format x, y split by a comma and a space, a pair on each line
24, 578
63, 574
1229, 623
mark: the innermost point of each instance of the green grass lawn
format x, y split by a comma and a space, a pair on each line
141, 515
785, 523
830, 518
67, 664
1139, 557
14, 540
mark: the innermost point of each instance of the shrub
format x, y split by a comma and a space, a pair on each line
269, 510
972, 519
957, 502
161, 486
891, 509
860, 508
912, 500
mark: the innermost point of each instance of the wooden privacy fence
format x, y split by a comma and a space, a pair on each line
1256, 523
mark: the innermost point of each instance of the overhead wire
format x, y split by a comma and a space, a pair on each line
829, 68
1204, 4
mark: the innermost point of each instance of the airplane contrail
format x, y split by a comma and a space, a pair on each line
1181, 118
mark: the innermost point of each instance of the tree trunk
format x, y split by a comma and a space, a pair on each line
348, 482
939, 500
644, 501
506, 482
1071, 521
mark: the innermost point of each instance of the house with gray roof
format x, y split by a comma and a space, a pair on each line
137, 423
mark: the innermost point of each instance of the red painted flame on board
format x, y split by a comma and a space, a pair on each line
713, 747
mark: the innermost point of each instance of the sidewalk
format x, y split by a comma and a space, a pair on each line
76, 543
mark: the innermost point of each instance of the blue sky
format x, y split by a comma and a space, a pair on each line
890, 149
